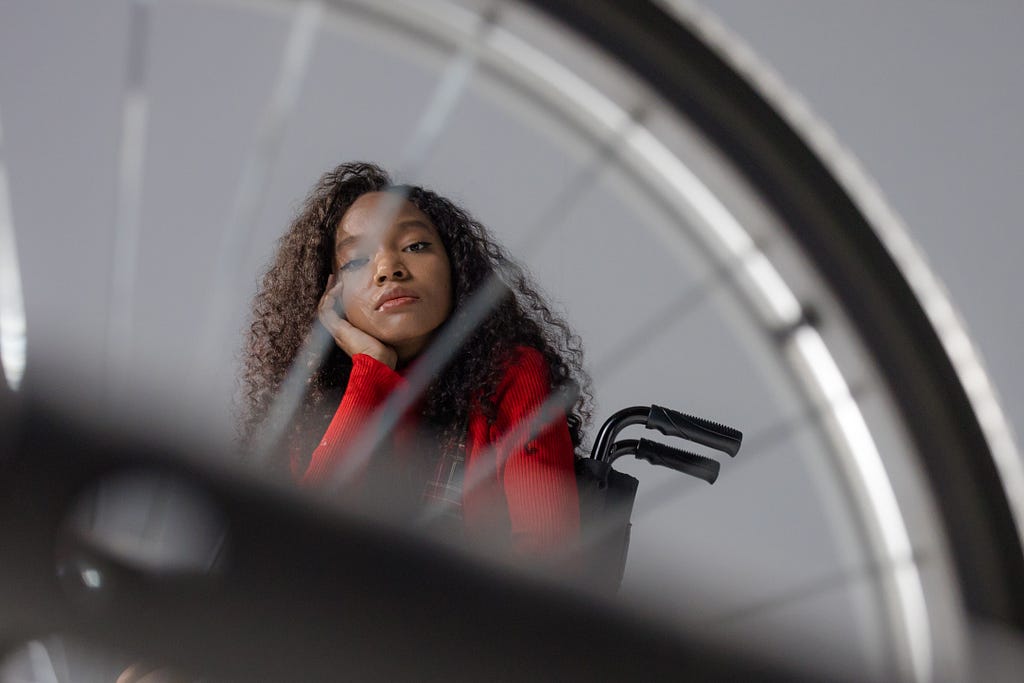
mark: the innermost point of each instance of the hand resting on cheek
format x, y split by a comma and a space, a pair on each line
347, 336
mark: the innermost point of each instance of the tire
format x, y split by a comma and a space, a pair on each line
843, 244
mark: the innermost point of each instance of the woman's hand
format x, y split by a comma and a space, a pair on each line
347, 336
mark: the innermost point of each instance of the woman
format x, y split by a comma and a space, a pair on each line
384, 269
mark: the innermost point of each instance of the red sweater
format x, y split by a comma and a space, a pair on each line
514, 484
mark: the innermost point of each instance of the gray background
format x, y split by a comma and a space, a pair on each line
927, 94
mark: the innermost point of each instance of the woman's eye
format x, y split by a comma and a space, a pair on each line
417, 246
353, 264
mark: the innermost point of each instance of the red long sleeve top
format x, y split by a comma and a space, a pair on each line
516, 482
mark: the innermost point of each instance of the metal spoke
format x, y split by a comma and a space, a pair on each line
43, 668
430, 362
568, 197
432, 124
131, 160
675, 311
872, 571
255, 178
12, 301
548, 413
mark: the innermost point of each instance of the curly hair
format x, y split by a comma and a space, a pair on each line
285, 308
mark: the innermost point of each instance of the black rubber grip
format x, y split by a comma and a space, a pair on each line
697, 429
678, 459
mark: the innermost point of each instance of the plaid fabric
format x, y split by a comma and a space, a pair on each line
442, 492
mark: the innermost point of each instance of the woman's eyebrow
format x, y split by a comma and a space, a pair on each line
415, 223
405, 225
344, 242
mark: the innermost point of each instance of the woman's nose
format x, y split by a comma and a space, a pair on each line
390, 269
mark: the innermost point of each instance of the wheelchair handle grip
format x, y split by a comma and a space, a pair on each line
697, 429
678, 459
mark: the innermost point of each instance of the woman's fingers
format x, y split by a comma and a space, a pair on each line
334, 286
347, 336
350, 338
330, 302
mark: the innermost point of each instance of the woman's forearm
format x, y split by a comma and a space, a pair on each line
537, 463
369, 385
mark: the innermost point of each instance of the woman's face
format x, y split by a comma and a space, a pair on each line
395, 274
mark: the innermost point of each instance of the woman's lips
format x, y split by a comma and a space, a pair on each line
396, 302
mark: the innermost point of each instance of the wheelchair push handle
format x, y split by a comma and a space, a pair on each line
678, 459
663, 455
697, 429
670, 423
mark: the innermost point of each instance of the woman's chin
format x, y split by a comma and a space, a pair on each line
408, 347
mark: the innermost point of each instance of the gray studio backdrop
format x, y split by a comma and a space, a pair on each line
925, 93
928, 96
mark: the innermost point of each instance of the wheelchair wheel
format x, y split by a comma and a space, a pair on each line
716, 249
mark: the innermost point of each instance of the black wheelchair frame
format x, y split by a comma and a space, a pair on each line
607, 496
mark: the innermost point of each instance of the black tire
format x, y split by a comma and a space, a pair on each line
837, 237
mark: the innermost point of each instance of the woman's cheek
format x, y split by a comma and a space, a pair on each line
355, 311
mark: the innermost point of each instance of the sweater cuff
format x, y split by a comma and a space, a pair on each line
369, 385
371, 381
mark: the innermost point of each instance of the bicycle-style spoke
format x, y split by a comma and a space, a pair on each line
781, 431
548, 413
567, 198
40, 659
834, 581
12, 301
432, 123
661, 321
255, 179
128, 208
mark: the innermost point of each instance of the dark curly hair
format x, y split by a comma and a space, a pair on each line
285, 308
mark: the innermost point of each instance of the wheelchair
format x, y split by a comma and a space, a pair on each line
607, 495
